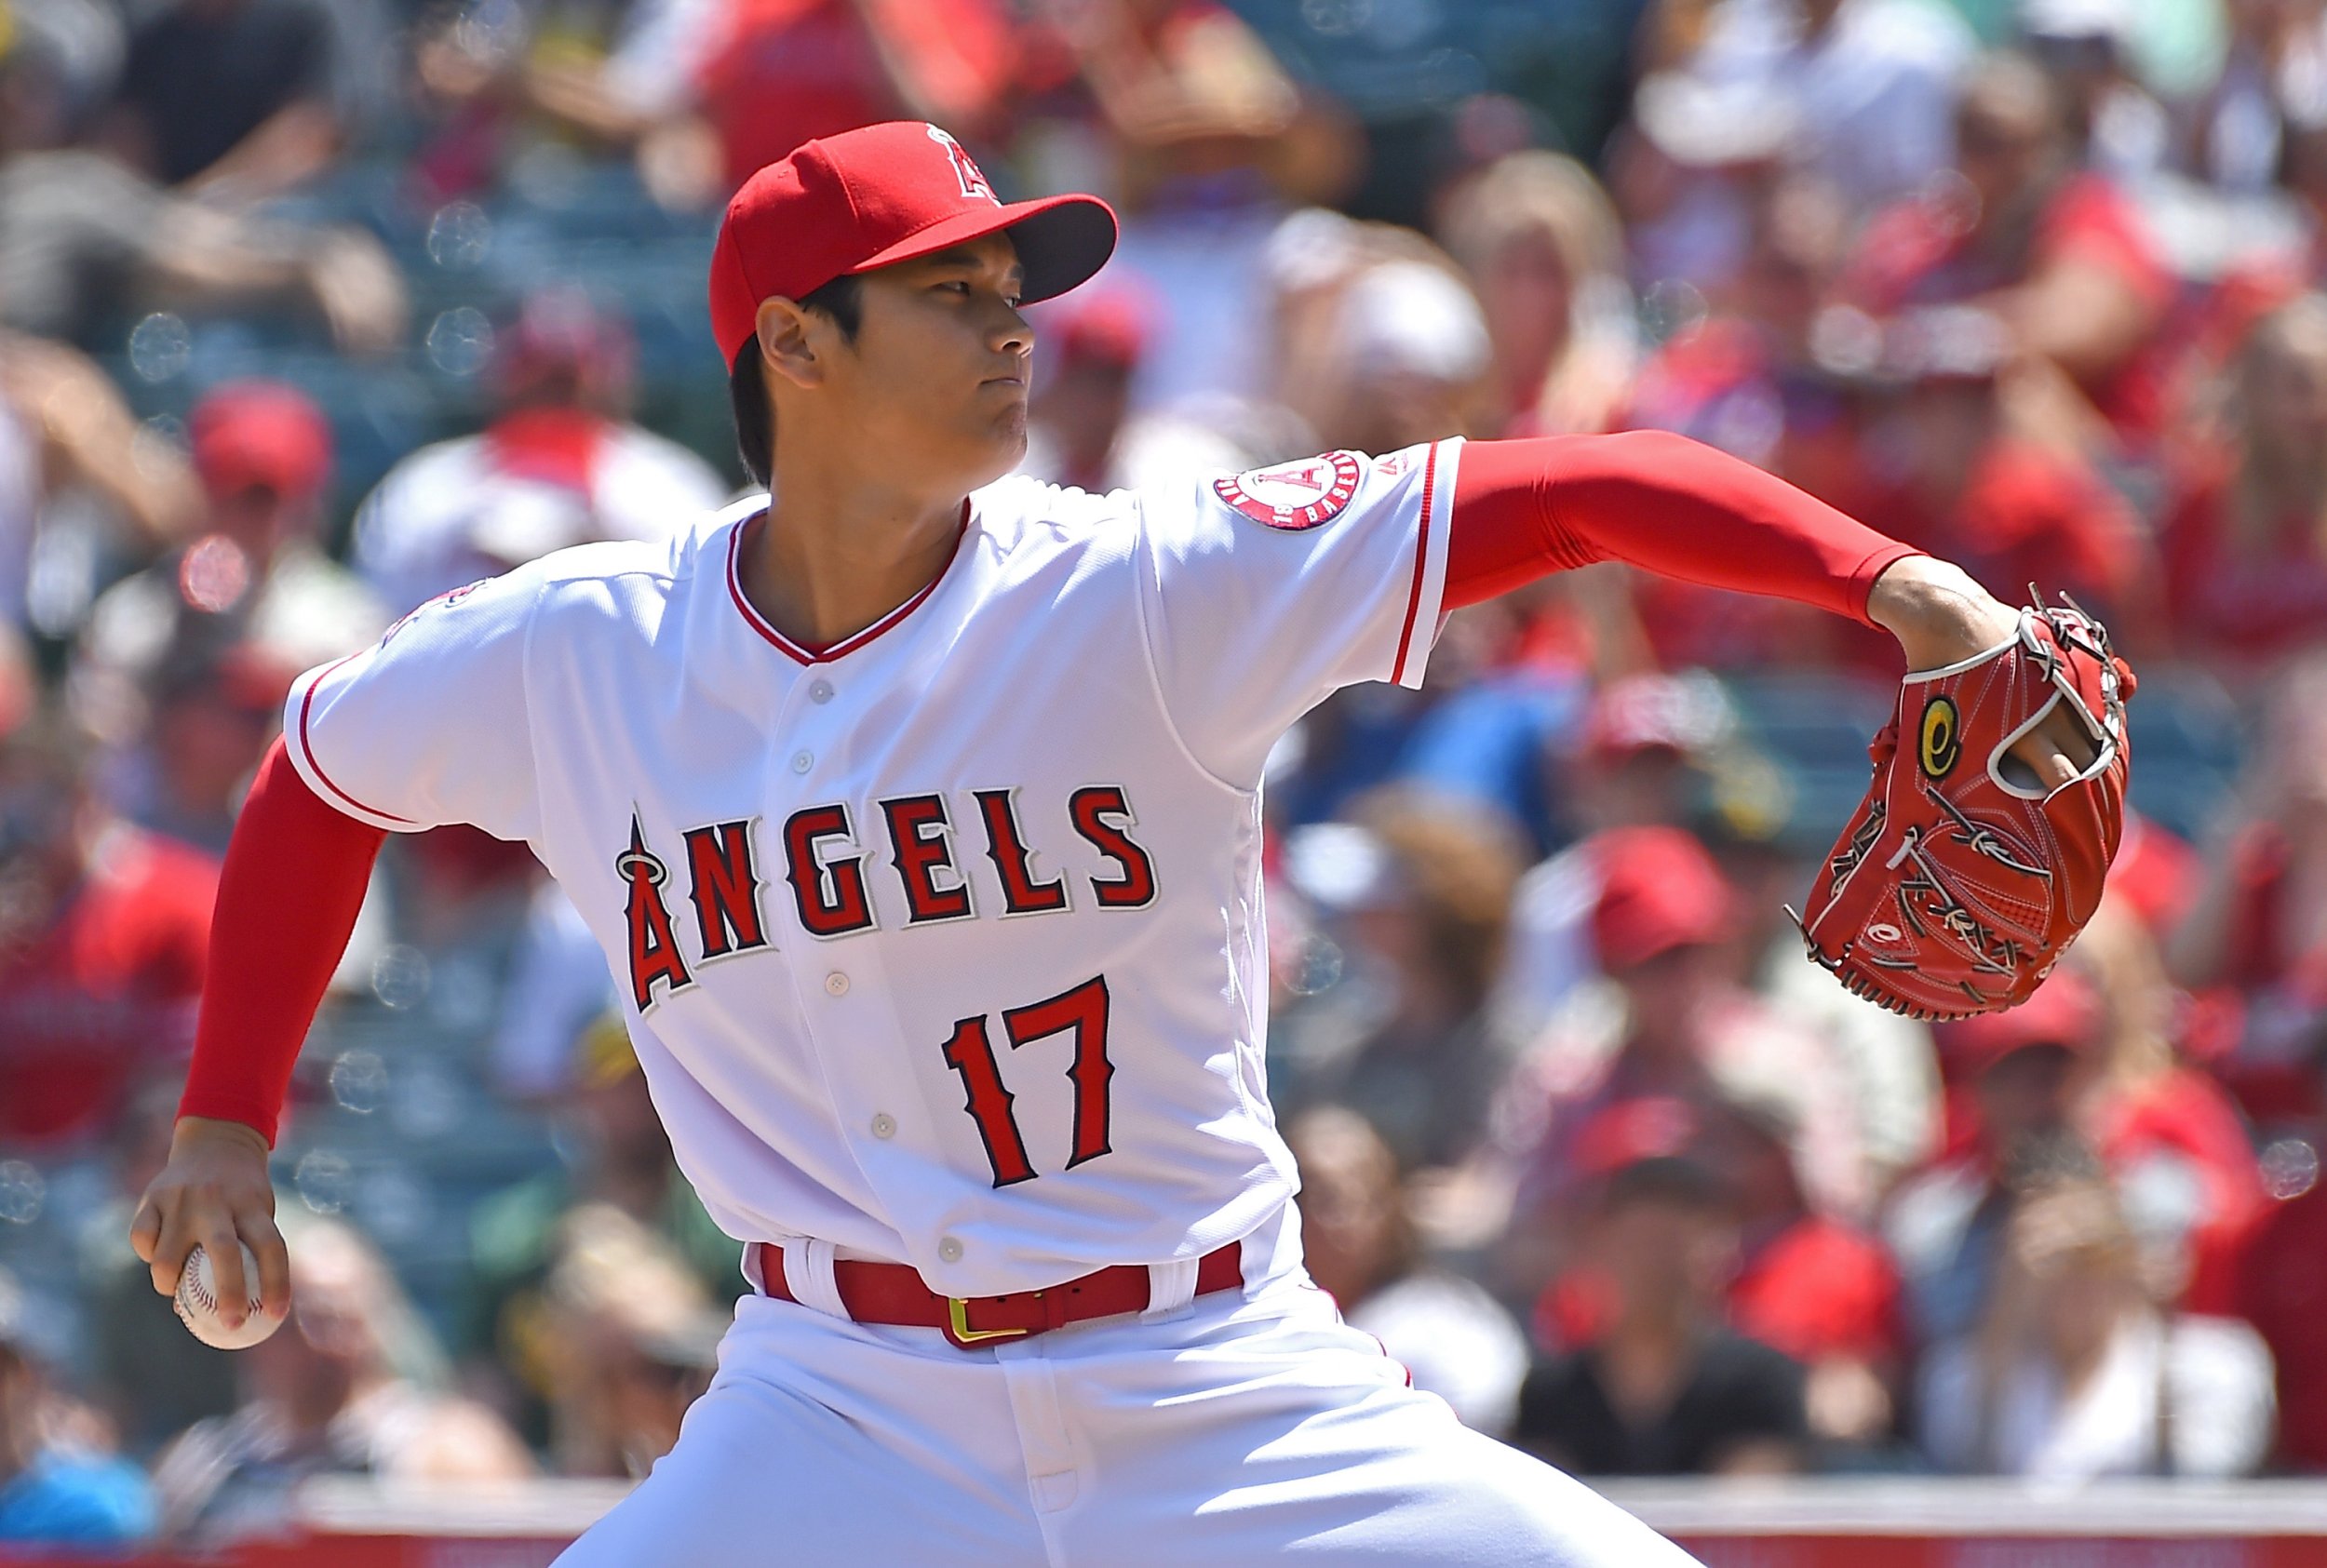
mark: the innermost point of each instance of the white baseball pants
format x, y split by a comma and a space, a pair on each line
1256, 1427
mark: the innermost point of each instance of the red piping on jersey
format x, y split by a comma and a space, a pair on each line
846, 645
306, 704
1421, 566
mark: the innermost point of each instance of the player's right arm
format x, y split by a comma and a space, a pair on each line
294, 878
426, 729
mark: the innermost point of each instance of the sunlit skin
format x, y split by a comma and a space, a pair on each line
878, 441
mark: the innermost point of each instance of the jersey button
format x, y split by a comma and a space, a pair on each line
884, 1126
802, 761
836, 983
820, 692
948, 1249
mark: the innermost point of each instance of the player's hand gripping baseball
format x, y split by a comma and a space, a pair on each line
1941, 616
214, 1189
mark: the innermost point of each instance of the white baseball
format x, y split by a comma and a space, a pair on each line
198, 1304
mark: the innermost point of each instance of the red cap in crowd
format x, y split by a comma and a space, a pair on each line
2065, 1011
1109, 326
253, 433
562, 331
1659, 890
873, 198
1644, 1127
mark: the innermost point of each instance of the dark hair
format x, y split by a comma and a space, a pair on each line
1667, 1181
844, 301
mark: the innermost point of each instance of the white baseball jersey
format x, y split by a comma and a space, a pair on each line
944, 944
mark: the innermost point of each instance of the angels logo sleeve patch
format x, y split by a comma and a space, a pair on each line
1308, 493
428, 726
1266, 590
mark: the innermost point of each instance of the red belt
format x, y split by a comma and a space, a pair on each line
893, 1293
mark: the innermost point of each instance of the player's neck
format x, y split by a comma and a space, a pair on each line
830, 559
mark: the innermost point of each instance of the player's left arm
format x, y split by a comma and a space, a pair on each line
1679, 508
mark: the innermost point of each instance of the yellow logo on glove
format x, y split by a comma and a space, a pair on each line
1943, 742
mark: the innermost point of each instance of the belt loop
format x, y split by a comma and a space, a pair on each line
1171, 1291
807, 1269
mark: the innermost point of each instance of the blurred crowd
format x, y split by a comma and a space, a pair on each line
310, 310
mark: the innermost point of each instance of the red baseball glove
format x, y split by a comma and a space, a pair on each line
1962, 880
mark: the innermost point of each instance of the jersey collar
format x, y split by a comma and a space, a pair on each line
804, 655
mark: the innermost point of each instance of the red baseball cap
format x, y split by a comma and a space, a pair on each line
1659, 890
876, 196
253, 433
2066, 1011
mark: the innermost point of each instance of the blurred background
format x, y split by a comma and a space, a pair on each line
312, 309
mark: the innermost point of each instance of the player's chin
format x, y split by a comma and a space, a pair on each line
1003, 438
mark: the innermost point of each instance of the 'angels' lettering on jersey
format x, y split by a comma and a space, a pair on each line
947, 943
824, 862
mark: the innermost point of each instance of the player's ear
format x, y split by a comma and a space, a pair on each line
787, 342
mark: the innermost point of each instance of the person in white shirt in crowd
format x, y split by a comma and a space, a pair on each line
1453, 1338
1871, 83
558, 465
2073, 1373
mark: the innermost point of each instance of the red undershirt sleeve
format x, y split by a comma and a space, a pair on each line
1663, 503
295, 874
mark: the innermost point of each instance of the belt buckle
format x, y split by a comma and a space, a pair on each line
960, 1331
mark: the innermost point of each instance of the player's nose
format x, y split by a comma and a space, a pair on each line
1012, 335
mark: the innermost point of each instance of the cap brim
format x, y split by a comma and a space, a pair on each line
1062, 241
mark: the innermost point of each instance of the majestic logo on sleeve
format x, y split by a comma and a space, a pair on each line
1297, 495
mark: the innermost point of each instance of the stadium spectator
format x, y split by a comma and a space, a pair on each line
2282, 1291
1545, 254
2015, 1080
2245, 536
83, 238
521, 1237
1950, 473
1668, 1021
103, 929
2256, 936
2071, 1373
2273, 61
1419, 889
1767, 849
348, 1385
182, 667
558, 465
1360, 1241
230, 100
1413, 347
709, 92
626, 1336
2056, 253
2181, 1156
1636, 760
1809, 1285
1664, 1387
57, 1488
150, 1377
1871, 83
66, 434
2117, 125
1085, 431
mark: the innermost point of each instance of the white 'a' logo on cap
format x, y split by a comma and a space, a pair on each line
972, 180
